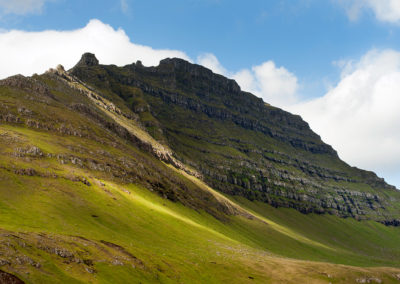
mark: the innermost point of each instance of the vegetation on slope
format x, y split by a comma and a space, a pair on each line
85, 198
239, 144
65, 230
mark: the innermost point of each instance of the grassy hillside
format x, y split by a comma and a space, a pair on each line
87, 196
112, 232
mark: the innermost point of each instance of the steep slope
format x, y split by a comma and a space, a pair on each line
87, 195
241, 145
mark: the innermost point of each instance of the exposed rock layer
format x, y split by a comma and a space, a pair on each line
241, 145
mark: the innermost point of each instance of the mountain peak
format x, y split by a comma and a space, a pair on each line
184, 65
177, 62
197, 72
88, 59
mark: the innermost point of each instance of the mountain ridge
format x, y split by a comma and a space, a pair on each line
194, 90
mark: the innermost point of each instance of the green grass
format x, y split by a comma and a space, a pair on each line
169, 235
173, 243
176, 244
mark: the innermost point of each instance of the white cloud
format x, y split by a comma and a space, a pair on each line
276, 85
360, 117
384, 10
49, 48
21, 7
210, 61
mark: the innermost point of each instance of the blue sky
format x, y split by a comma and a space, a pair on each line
335, 62
305, 36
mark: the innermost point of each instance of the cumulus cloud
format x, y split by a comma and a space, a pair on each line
384, 10
276, 85
21, 7
49, 48
210, 61
360, 117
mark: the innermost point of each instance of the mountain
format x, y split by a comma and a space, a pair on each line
239, 144
173, 174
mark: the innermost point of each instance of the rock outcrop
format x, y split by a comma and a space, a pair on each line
87, 60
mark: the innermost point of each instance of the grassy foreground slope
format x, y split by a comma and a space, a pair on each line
82, 201
55, 229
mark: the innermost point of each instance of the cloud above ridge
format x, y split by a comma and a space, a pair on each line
210, 61
360, 117
276, 85
48, 48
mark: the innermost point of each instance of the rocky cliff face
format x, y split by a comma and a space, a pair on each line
241, 145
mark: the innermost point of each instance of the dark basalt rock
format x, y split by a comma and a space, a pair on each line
7, 278
177, 65
240, 144
88, 60
395, 222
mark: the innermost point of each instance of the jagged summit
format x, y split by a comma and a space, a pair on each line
88, 59
184, 65
198, 72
